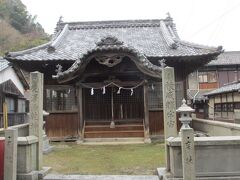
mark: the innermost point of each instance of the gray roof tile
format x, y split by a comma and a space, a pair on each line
149, 37
227, 88
226, 58
3, 64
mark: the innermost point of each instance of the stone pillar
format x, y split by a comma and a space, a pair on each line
36, 112
188, 154
187, 142
10, 154
169, 107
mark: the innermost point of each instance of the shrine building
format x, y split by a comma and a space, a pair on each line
102, 79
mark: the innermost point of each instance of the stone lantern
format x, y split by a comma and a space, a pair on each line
46, 146
185, 112
187, 142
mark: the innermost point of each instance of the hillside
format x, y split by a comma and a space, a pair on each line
18, 29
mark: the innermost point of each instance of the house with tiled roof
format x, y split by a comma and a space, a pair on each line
213, 77
103, 78
224, 102
12, 90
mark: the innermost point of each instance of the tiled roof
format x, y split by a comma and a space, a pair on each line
197, 95
227, 88
104, 45
226, 58
153, 38
3, 64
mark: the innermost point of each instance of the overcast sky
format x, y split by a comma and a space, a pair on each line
208, 22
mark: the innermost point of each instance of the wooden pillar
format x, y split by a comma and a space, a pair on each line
80, 111
146, 113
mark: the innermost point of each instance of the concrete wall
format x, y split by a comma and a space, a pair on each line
216, 128
9, 73
23, 130
215, 156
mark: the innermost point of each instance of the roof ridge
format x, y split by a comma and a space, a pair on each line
55, 42
200, 46
112, 24
27, 51
113, 21
228, 52
168, 35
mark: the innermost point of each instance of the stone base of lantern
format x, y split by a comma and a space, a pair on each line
47, 148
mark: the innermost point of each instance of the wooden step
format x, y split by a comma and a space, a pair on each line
117, 122
113, 134
117, 127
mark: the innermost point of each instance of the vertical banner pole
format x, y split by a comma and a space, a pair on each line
5, 115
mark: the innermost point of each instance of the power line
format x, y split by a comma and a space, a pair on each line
212, 22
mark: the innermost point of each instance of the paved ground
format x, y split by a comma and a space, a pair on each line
100, 177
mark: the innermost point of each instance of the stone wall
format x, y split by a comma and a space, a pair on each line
216, 128
215, 156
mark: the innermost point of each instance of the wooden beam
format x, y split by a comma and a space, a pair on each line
146, 112
120, 83
80, 111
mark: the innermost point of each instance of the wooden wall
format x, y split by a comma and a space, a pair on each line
156, 125
208, 85
61, 126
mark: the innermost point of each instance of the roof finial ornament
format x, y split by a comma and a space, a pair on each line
169, 18
168, 15
109, 41
59, 69
60, 20
162, 63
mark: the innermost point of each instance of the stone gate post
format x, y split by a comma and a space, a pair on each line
36, 113
169, 107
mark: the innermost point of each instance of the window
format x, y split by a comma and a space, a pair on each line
237, 105
207, 77
212, 77
230, 107
217, 107
155, 100
202, 77
10, 104
21, 105
60, 98
225, 107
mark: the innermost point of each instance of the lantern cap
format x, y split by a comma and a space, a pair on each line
184, 107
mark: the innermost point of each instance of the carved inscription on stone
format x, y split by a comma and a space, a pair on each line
188, 154
169, 102
36, 112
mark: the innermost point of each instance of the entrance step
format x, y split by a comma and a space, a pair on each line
112, 141
119, 131
99, 177
120, 122
112, 134
121, 127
